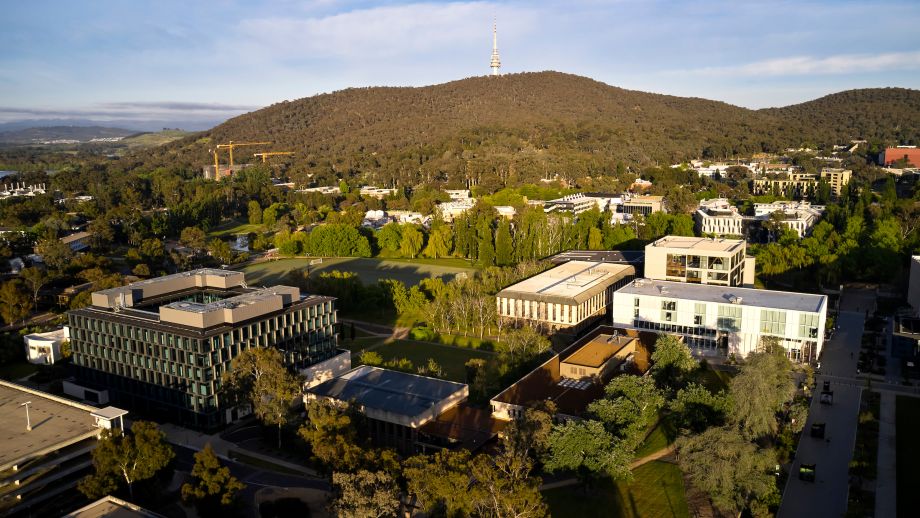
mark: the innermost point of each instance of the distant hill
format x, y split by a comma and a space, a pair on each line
54, 133
521, 127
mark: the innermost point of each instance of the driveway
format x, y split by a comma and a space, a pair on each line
827, 495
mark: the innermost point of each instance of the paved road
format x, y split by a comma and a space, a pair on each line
886, 476
827, 496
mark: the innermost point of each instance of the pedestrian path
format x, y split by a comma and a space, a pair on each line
222, 448
886, 476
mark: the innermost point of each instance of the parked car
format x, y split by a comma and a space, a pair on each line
827, 397
807, 472
817, 430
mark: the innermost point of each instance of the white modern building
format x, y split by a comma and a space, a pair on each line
454, 209
721, 320
45, 348
377, 192
798, 216
574, 203
567, 296
718, 217
459, 194
331, 190
699, 260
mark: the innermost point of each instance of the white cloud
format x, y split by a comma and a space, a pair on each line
810, 65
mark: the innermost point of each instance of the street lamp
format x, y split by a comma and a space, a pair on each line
28, 420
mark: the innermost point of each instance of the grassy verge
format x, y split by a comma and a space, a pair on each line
661, 436
235, 227
657, 489
16, 370
907, 422
451, 359
863, 467
408, 271
261, 464
714, 380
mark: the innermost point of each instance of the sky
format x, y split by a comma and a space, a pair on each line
194, 63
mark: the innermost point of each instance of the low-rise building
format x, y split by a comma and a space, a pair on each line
723, 320
798, 216
332, 190
802, 185
574, 203
505, 211
78, 241
909, 154
111, 507
699, 260
46, 448
397, 404
643, 205
454, 209
377, 192
718, 217
571, 295
459, 194
577, 376
837, 178
44, 348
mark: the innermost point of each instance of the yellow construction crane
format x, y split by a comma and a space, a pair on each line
265, 156
230, 147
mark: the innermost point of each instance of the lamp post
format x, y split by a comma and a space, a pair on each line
28, 420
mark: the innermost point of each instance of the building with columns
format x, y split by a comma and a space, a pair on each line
572, 295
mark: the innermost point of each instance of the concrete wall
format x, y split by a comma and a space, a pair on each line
323, 371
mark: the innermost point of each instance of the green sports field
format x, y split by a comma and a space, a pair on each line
410, 272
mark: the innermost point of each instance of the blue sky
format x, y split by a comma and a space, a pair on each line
207, 60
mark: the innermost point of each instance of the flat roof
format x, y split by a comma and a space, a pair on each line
388, 391
698, 244
597, 351
600, 256
768, 299
56, 422
571, 282
167, 278
111, 507
75, 237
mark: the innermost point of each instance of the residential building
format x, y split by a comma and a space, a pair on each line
396, 404
44, 348
332, 190
643, 205
577, 376
78, 241
161, 345
837, 178
910, 154
798, 216
718, 217
723, 320
571, 295
699, 260
46, 448
377, 192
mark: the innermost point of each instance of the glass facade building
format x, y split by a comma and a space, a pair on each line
164, 355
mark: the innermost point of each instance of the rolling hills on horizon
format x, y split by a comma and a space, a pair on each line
532, 125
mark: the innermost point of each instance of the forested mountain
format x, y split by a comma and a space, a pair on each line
522, 127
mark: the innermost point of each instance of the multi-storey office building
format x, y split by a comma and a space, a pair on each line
798, 216
724, 320
162, 345
699, 260
570, 295
719, 217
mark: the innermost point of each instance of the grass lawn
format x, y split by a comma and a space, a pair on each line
232, 228
907, 422
410, 272
657, 490
714, 380
661, 436
16, 370
451, 359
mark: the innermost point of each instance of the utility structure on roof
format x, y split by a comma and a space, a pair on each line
495, 63
264, 156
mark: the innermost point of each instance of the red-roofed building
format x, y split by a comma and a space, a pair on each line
893, 154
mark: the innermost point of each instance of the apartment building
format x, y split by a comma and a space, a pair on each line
722, 320
718, 217
161, 346
699, 260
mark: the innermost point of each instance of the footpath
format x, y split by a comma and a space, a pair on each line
224, 449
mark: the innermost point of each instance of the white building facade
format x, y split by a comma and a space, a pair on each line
719, 217
723, 321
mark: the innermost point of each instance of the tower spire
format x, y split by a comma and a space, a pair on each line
496, 62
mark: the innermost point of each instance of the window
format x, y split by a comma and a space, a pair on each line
699, 314
808, 325
669, 305
676, 265
773, 322
729, 318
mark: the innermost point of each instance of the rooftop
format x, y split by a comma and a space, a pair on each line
75, 237
725, 295
393, 392
574, 281
111, 507
598, 350
56, 423
698, 244
600, 256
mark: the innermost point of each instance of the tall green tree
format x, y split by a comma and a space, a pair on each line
36, 278
759, 392
441, 482
440, 241
15, 301
127, 458
503, 243
734, 472
671, 360
254, 213
332, 435
629, 406
411, 241
589, 450
212, 487
365, 494
389, 237
258, 377
54, 253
